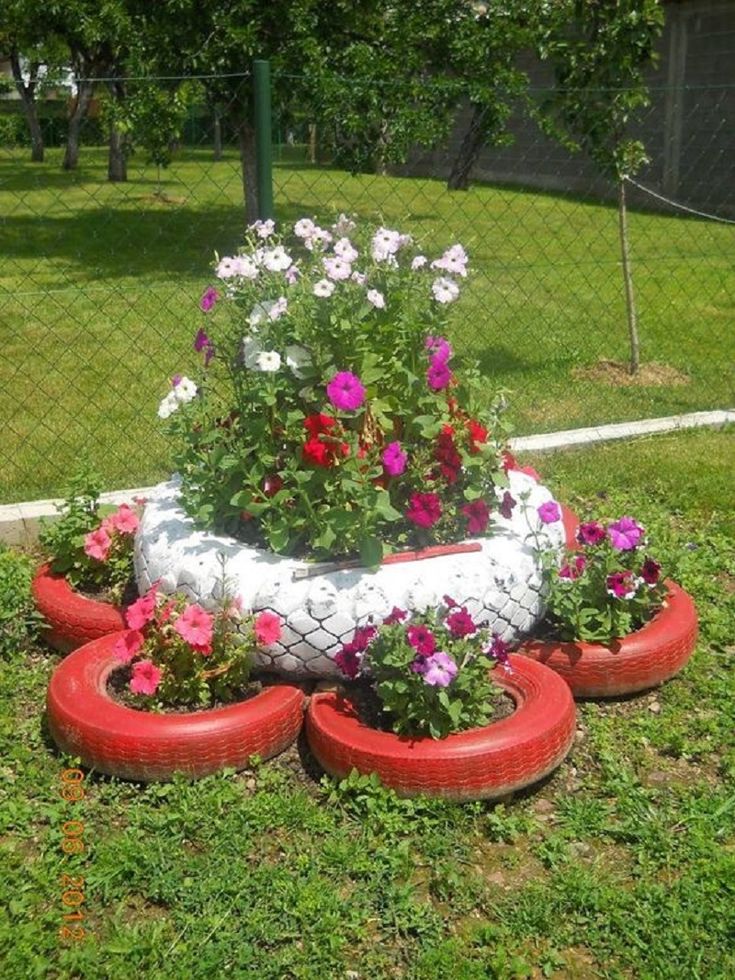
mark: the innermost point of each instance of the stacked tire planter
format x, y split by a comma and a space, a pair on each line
72, 619
111, 738
641, 660
482, 763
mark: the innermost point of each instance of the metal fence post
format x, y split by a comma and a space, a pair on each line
263, 138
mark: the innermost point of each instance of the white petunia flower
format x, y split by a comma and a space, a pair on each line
304, 228
318, 239
345, 249
323, 288
337, 268
359, 277
418, 262
454, 260
268, 360
343, 225
245, 267
297, 358
184, 391
444, 290
251, 350
168, 406
226, 267
385, 244
376, 298
278, 308
264, 229
277, 259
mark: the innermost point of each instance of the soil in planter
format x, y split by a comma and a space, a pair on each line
370, 710
103, 594
118, 690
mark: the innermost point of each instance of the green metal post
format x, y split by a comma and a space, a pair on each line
263, 138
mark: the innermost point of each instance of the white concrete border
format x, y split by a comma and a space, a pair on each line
19, 523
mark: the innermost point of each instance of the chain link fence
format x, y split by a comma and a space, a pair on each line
100, 279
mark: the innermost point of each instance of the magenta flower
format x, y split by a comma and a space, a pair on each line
361, 639
209, 298
650, 571
396, 615
625, 534
574, 569
141, 612
498, 650
506, 505
124, 520
621, 585
346, 392
440, 347
97, 544
591, 533
460, 623
394, 459
128, 645
421, 639
348, 661
146, 678
203, 343
438, 375
449, 602
550, 512
477, 513
195, 625
439, 670
424, 509
267, 628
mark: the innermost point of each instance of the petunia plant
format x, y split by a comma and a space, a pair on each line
605, 588
332, 415
179, 654
431, 672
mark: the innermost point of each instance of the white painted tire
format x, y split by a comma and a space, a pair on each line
501, 585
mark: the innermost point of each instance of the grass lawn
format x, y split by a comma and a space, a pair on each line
99, 284
621, 865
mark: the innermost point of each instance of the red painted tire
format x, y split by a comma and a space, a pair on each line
636, 662
111, 738
72, 619
478, 764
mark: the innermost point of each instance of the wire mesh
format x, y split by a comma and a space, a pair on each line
100, 280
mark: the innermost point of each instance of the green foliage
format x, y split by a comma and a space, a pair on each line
63, 539
19, 621
265, 454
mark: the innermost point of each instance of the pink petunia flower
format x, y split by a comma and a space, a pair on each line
394, 459
439, 670
438, 375
125, 520
195, 625
421, 639
97, 544
477, 513
424, 509
625, 534
591, 533
572, 570
348, 661
506, 505
621, 585
441, 348
498, 650
550, 512
460, 623
650, 571
209, 298
396, 615
267, 628
345, 391
141, 611
146, 678
128, 645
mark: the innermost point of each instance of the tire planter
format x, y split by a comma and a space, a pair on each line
72, 618
120, 741
634, 663
500, 582
482, 763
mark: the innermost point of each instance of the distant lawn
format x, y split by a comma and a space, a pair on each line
99, 283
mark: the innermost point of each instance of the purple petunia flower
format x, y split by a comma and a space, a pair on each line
439, 670
203, 343
440, 347
361, 639
550, 512
591, 533
650, 571
394, 459
421, 639
460, 623
345, 391
506, 505
572, 570
209, 298
498, 650
621, 585
424, 509
625, 534
348, 661
396, 615
438, 375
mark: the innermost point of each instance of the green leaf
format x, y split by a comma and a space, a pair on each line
371, 551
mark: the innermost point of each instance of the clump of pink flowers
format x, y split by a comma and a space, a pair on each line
608, 586
181, 654
430, 671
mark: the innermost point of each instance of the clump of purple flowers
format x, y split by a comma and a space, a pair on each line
431, 671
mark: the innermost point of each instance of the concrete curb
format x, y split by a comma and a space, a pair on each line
19, 523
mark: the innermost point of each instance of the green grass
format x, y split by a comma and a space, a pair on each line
99, 285
621, 865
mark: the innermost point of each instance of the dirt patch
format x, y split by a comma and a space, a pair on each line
615, 373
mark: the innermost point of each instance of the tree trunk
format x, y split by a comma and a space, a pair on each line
117, 164
381, 155
81, 105
628, 281
469, 149
312, 142
217, 136
246, 136
27, 93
